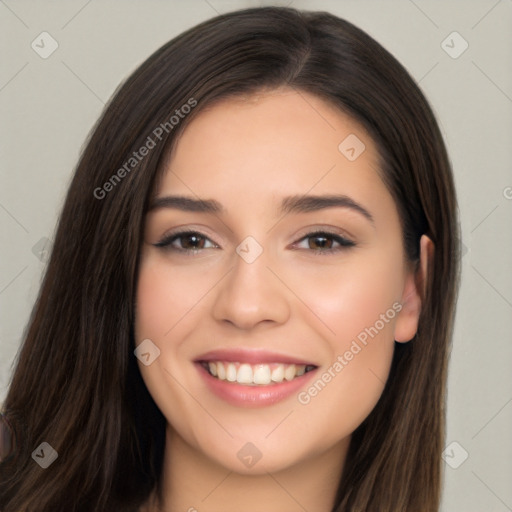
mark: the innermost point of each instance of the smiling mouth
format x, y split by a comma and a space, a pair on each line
255, 374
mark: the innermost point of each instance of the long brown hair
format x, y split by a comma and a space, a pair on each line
76, 384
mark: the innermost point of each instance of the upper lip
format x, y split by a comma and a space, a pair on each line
250, 356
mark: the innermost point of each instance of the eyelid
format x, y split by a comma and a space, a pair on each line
183, 230
337, 235
165, 241
327, 229
344, 243
342, 237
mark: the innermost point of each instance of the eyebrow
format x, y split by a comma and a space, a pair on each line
290, 204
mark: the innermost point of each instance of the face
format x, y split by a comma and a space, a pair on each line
275, 315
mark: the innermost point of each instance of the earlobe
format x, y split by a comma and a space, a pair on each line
414, 293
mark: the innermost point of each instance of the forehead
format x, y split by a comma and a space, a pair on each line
270, 145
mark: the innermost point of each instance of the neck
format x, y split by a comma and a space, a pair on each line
192, 482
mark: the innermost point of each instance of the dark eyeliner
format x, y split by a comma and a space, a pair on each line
165, 243
344, 243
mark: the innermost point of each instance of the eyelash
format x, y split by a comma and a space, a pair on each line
344, 243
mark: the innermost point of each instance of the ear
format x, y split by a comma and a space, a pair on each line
414, 292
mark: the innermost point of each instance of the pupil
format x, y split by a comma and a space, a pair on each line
321, 244
192, 237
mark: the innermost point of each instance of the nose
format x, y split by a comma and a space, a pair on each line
251, 294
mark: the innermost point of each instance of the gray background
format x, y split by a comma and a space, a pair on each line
49, 105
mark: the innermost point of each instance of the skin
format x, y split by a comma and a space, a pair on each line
248, 154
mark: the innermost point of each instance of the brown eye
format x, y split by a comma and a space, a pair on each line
321, 242
188, 241
192, 241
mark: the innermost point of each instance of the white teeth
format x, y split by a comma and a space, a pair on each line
289, 372
278, 373
221, 371
231, 372
244, 375
262, 374
258, 374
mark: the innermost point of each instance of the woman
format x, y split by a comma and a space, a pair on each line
243, 370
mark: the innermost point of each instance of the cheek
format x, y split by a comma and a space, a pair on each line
352, 296
164, 296
153, 303
161, 317
358, 303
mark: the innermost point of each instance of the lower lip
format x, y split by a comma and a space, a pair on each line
253, 396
